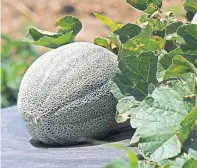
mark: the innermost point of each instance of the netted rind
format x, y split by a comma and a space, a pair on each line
64, 95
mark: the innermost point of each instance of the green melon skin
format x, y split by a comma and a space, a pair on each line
64, 95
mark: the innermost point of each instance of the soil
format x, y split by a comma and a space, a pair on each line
18, 15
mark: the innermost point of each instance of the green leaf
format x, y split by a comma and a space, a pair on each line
69, 27
187, 125
144, 18
190, 5
190, 55
118, 164
186, 87
108, 22
133, 159
124, 108
190, 163
178, 162
190, 143
127, 32
165, 105
187, 49
192, 153
103, 42
47, 39
171, 35
147, 31
148, 6
179, 67
135, 74
115, 90
160, 70
189, 34
172, 28
139, 44
137, 65
68, 24
157, 120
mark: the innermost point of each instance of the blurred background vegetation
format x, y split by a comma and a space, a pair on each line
17, 16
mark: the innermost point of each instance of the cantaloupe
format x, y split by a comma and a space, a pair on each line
64, 95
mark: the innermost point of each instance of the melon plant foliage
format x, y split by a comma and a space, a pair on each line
156, 83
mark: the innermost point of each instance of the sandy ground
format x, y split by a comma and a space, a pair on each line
18, 15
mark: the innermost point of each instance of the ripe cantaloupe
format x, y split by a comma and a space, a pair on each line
64, 95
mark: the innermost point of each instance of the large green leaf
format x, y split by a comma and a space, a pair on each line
148, 6
69, 27
135, 74
108, 22
137, 64
179, 67
139, 44
165, 105
157, 120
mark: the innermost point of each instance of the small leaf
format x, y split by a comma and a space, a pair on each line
69, 27
179, 67
190, 5
144, 18
103, 42
171, 29
124, 108
148, 6
108, 22
69, 23
147, 31
47, 39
